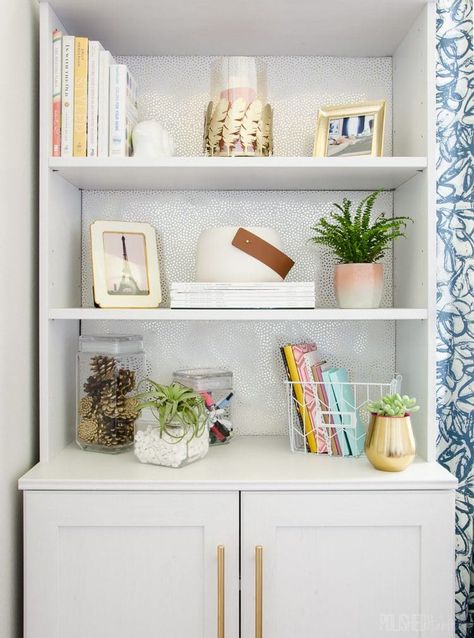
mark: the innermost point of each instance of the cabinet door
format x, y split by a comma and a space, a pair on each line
125, 565
361, 564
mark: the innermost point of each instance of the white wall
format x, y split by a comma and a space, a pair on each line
18, 292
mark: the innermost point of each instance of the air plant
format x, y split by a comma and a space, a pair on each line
174, 405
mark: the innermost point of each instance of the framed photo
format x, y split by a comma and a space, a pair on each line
350, 130
125, 265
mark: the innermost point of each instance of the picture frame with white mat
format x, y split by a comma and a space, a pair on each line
125, 265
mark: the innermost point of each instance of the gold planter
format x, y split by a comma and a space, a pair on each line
390, 444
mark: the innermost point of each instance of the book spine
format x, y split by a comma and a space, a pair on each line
348, 404
323, 440
67, 96
130, 123
123, 111
324, 403
105, 60
81, 54
57, 71
118, 112
132, 111
335, 406
93, 98
309, 434
287, 370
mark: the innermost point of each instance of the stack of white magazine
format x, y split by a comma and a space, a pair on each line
294, 294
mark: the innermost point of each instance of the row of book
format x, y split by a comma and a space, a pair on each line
324, 401
94, 106
243, 295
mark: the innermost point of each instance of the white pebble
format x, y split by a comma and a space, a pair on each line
151, 447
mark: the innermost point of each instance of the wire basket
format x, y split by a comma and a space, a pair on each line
331, 418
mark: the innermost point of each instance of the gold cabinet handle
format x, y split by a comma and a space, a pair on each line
258, 591
220, 590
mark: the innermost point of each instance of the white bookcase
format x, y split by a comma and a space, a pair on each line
397, 36
394, 40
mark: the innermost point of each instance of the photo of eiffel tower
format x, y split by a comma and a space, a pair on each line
128, 284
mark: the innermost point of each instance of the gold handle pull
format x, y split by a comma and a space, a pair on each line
220, 590
258, 591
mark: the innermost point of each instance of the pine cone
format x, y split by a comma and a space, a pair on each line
93, 386
88, 430
130, 410
126, 412
103, 367
115, 433
111, 401
125, 380
86, 407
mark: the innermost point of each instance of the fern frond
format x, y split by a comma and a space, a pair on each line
352, 237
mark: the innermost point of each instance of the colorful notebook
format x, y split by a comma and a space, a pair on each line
338, 420
323, 439
346, 401
325, 407
305, 356
298, 392
287, 370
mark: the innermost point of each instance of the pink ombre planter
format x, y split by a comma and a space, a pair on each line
358, 285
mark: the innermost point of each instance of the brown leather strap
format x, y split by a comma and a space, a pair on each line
263, 251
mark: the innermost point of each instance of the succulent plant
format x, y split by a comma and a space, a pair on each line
393, 405
173, 405
353, 237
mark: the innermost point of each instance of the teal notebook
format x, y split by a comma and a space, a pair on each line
334, 408
346, 401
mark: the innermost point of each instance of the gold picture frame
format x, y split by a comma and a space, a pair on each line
125, 265
350, 130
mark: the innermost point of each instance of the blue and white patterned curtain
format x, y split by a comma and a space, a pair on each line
455, 303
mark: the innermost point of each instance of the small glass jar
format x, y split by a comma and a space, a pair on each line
109, 369
215, 387
172, 447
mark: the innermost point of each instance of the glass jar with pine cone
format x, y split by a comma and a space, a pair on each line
109, 369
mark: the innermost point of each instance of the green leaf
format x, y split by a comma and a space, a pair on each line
353, 238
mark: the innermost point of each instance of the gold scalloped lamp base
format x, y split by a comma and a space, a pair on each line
238, 129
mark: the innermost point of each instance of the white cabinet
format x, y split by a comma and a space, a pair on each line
363, 564
122, 565
358, 564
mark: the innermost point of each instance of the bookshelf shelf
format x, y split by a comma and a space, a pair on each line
168, 314
217, 173
249, 463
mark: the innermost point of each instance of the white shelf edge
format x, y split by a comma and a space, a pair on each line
167, 314
234, 173
248, 463
331, 163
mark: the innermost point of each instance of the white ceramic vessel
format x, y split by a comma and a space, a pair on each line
219, 261
151, 140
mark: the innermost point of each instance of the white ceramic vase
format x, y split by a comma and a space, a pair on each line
219, 261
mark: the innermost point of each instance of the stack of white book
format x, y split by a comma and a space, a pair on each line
94, 105
294, 294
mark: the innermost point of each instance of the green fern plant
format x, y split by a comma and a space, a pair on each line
173, 405
354, 238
